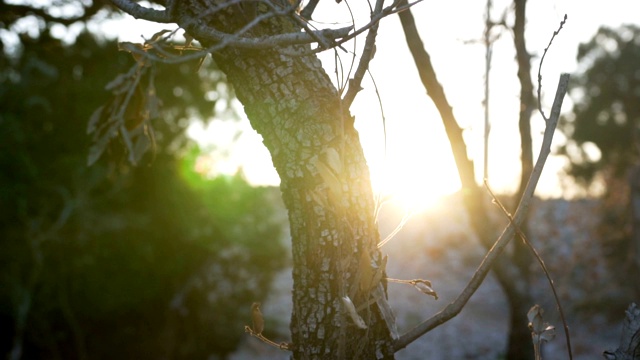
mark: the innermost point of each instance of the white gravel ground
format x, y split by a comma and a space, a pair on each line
437, 245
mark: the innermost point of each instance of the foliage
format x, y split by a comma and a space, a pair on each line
110, 260
603, 140
607, 105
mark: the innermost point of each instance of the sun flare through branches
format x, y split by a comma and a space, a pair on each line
414, 184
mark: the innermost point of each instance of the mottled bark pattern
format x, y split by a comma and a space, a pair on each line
292, 103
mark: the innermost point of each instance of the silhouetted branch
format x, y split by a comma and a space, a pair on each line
555, 33
629, 348
325, 38
456, 306
12, 12
141, 12
365, 58
540, 261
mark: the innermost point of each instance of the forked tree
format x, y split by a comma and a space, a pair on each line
267, 49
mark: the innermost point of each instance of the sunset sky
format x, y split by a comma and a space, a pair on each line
419, 165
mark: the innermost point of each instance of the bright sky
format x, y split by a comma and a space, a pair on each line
419, 165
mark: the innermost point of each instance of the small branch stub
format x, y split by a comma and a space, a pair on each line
629, 348
540, 330
257, 319
257, 328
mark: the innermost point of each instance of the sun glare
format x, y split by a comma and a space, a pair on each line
414, 186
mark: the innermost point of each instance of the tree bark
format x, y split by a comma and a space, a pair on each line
316, 150
634, 250
527, 103
629, 348
519, 335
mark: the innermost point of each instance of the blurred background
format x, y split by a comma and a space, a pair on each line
162, 260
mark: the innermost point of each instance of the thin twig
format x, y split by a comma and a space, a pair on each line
141, 12
540, 261
389, 10
403, 222
343, 84
540, 66
365, 58
384, 133
281, 346
456, 306
200, 30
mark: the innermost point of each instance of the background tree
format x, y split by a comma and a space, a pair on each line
603, 139
512, 270
110, 260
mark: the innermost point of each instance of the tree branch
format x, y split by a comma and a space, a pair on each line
11, 12
140, 12
436, 92
367, 55
268, 41
456, 306
629, 348
199, 30
389, 10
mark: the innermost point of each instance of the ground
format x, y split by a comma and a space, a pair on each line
437, 245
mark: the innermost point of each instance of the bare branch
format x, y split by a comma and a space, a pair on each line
456, 306
11, 12
564, 20
540, 261
389, 10
630, 341
222, 39
367, 55
325, 38
437, 94
308, 10
140, 12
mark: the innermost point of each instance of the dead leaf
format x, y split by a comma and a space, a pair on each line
366, 271
536, 322
99, 145
353, 314
256, 318
379, 272
548, 334
424, 286
157, 36
94, 119
117, 82
332, 158
330, 178
142, 144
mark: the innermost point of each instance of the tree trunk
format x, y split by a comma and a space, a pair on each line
634, 250
509, 276
316, 150
629, 348
519, 345
521, 255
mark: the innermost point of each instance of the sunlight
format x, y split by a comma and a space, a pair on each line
414, 187
417, 167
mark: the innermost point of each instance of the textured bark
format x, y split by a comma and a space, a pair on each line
629, 348
521, 256
634, 250
527, 100
519, 335
292, 103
